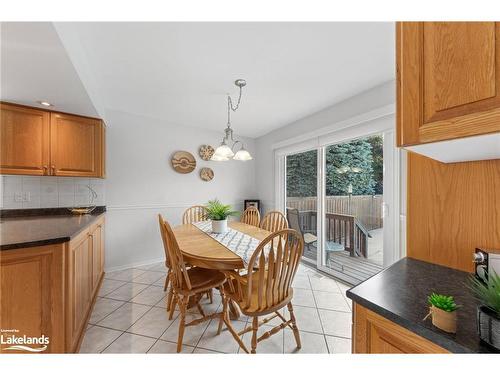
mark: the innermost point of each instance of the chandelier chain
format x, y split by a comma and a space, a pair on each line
231, 107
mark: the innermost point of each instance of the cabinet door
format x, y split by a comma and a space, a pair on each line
24, 140
97, 236
31, 289
79, 287
76, 147
448, 80
373, 333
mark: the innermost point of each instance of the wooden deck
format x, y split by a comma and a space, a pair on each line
353, 269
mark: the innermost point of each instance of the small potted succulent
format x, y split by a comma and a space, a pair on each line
218, 213
488, 313
443, 310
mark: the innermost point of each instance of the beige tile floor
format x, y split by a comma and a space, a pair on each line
129, 316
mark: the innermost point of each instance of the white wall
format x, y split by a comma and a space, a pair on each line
141, 183
377, 97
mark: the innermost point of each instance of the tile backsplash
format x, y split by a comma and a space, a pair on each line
49, 191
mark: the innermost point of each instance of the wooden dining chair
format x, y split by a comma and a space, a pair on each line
187, 283
266, 287
167, 263
251, 216
274, 221
194, 214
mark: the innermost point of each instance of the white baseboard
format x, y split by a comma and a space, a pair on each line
135, 264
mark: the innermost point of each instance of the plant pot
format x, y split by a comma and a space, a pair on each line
447, 321
219, 226
488, 326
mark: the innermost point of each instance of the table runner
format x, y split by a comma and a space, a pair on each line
238, 242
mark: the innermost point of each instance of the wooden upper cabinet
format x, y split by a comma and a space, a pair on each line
76, 146
38, 142
448, 80
24, 136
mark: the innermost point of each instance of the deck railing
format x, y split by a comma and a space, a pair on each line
345, 230
366, 208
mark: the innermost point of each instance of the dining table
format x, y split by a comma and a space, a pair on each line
201, 250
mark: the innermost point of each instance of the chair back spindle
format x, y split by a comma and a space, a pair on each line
274, 221
272, 267
251, 216
194, 214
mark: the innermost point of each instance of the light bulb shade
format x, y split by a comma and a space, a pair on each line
242, 155
218, 158
224, 151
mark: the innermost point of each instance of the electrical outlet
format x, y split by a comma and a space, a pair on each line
18, 197
26, 196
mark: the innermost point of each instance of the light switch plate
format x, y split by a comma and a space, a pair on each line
18, 197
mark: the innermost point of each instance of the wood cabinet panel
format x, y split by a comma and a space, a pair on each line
79, 286
76, 146
375, 334
451, 210
448, 77
50, 290
38, 142
24, 140
97, 236
31, 284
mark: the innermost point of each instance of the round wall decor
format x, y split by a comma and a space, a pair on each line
183, 162
206, 174
206, 152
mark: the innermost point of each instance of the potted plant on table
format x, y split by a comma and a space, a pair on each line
443, 310
488, 313
218, 213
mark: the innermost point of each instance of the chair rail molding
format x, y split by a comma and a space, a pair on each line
159, 205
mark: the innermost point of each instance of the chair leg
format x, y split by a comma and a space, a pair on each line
182, 322
210, 295
255, 327
167, 281
174, 301
294, 325
224, 315
169, 300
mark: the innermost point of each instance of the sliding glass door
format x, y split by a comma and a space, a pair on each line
301, 199
352, 200
339, 195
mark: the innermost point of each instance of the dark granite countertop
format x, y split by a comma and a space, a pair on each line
44, 229
399, 293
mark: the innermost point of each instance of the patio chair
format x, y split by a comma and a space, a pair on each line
294, 223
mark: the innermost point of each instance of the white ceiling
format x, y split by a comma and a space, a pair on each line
35, 67
180, 72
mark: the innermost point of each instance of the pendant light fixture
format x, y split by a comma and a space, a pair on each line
226, 149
